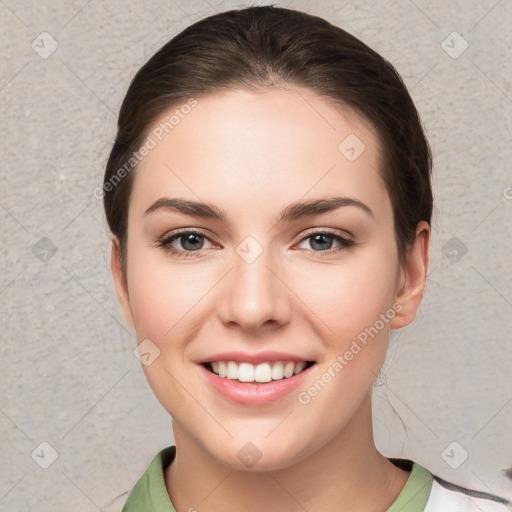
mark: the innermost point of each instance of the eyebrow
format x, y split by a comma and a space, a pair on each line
292, 212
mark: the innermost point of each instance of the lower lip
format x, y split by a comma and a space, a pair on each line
254, 393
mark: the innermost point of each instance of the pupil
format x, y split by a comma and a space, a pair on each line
315, 240
190, 239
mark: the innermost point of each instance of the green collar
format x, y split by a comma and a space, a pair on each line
150, 493
416, 491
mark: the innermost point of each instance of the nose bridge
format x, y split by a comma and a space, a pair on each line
253, 294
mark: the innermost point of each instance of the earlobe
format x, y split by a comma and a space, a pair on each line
120, 282
413, 274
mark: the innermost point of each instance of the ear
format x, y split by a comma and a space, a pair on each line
412, 277
120, 282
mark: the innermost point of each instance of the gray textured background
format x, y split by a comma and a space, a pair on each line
68, 376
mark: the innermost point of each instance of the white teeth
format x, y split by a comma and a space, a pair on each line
288, 369
245, 372
299, 367
263, 372
277, 371
232, 370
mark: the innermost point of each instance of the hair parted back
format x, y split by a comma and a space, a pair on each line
261, 47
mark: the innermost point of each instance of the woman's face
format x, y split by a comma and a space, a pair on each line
253, 283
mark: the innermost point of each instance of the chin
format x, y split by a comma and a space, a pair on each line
258, 456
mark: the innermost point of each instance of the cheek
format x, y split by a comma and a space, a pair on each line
169, 301
166, 298
351, 302
351, 297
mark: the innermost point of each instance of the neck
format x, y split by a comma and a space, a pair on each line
347, 473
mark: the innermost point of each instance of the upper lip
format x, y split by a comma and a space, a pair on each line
260, 357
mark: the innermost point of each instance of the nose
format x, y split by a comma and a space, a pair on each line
254, 295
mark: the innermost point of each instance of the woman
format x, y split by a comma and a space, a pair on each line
270, 202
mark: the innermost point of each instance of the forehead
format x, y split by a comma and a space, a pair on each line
240, 147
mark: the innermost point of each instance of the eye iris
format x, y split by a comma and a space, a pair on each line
190, 238
315, 238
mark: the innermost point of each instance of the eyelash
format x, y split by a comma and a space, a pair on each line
165, 242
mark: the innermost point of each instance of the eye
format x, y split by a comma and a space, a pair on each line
192, 241
322, 241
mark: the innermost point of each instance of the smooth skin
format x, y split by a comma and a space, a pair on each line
252, 154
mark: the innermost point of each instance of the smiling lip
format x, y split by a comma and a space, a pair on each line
254, 393
267, 356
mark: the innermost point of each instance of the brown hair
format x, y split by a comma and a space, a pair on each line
258, 47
